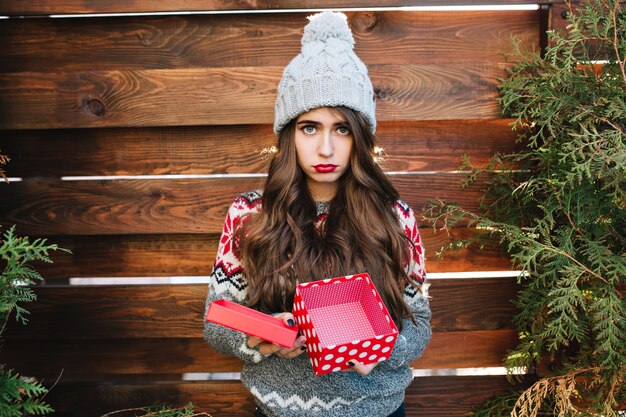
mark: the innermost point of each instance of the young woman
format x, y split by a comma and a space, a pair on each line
326, 210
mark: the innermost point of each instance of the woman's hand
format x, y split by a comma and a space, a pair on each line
267, 348
360, 368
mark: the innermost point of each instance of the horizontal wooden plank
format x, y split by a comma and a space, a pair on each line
99, 359
193, 255
201, 150
470, 349
124, 98
185, 150
107, 358
50, 207
254, 40
454, 396
218, 398
227, 96
121, 206
175, 311
443, 396
43, 7
131, 256
453, 312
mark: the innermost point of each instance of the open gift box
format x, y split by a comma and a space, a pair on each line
343, 319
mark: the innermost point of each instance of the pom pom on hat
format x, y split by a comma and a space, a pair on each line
323, 26
327, 73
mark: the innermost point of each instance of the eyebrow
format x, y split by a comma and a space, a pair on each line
308, 122
314, 122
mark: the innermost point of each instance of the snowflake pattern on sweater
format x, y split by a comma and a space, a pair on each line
227, 276
288, 387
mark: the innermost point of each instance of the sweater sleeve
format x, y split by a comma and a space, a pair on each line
414, 337
227, 281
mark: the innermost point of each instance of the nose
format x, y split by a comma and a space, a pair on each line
325, 147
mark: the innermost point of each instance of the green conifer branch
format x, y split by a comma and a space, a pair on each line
559, 208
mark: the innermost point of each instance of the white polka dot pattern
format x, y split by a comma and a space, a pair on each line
343, 319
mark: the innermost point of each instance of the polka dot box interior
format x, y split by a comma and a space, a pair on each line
343, 319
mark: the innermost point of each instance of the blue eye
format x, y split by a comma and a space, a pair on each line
309, 129
343, 130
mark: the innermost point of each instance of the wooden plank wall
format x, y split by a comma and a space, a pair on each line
131, 136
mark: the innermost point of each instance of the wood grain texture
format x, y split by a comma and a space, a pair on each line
109, 358
228, 96
471, 349
457, 304
173, 255
200, 150
43, 7
131, 256
102, 359
176, 311
136, 98
254, 40
178, 150
454, 396
170, 205
122, 206
94, 399
426, 397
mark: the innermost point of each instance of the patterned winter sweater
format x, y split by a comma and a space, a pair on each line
288, 387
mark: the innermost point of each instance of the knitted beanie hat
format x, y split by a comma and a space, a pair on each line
327, 72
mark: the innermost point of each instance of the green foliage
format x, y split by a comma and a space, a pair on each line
166, 411
559, 207
19, 396
159, 411
17, 253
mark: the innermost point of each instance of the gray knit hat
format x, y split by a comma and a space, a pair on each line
327, 72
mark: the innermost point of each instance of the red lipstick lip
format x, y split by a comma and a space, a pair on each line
325, 168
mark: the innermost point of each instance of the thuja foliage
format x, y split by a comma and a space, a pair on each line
559, 208
159, 411
17, 277
19, 396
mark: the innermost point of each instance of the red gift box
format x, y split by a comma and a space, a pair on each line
252, 322
343, 319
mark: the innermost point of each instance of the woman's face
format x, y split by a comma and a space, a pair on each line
323, 142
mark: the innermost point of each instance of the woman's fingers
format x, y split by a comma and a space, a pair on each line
287, 318
362, 369
298, 346
267, 348
264, 348
297, 349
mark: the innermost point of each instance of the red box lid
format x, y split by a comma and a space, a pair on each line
252, 322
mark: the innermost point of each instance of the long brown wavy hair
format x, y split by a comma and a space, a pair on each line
280, 245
